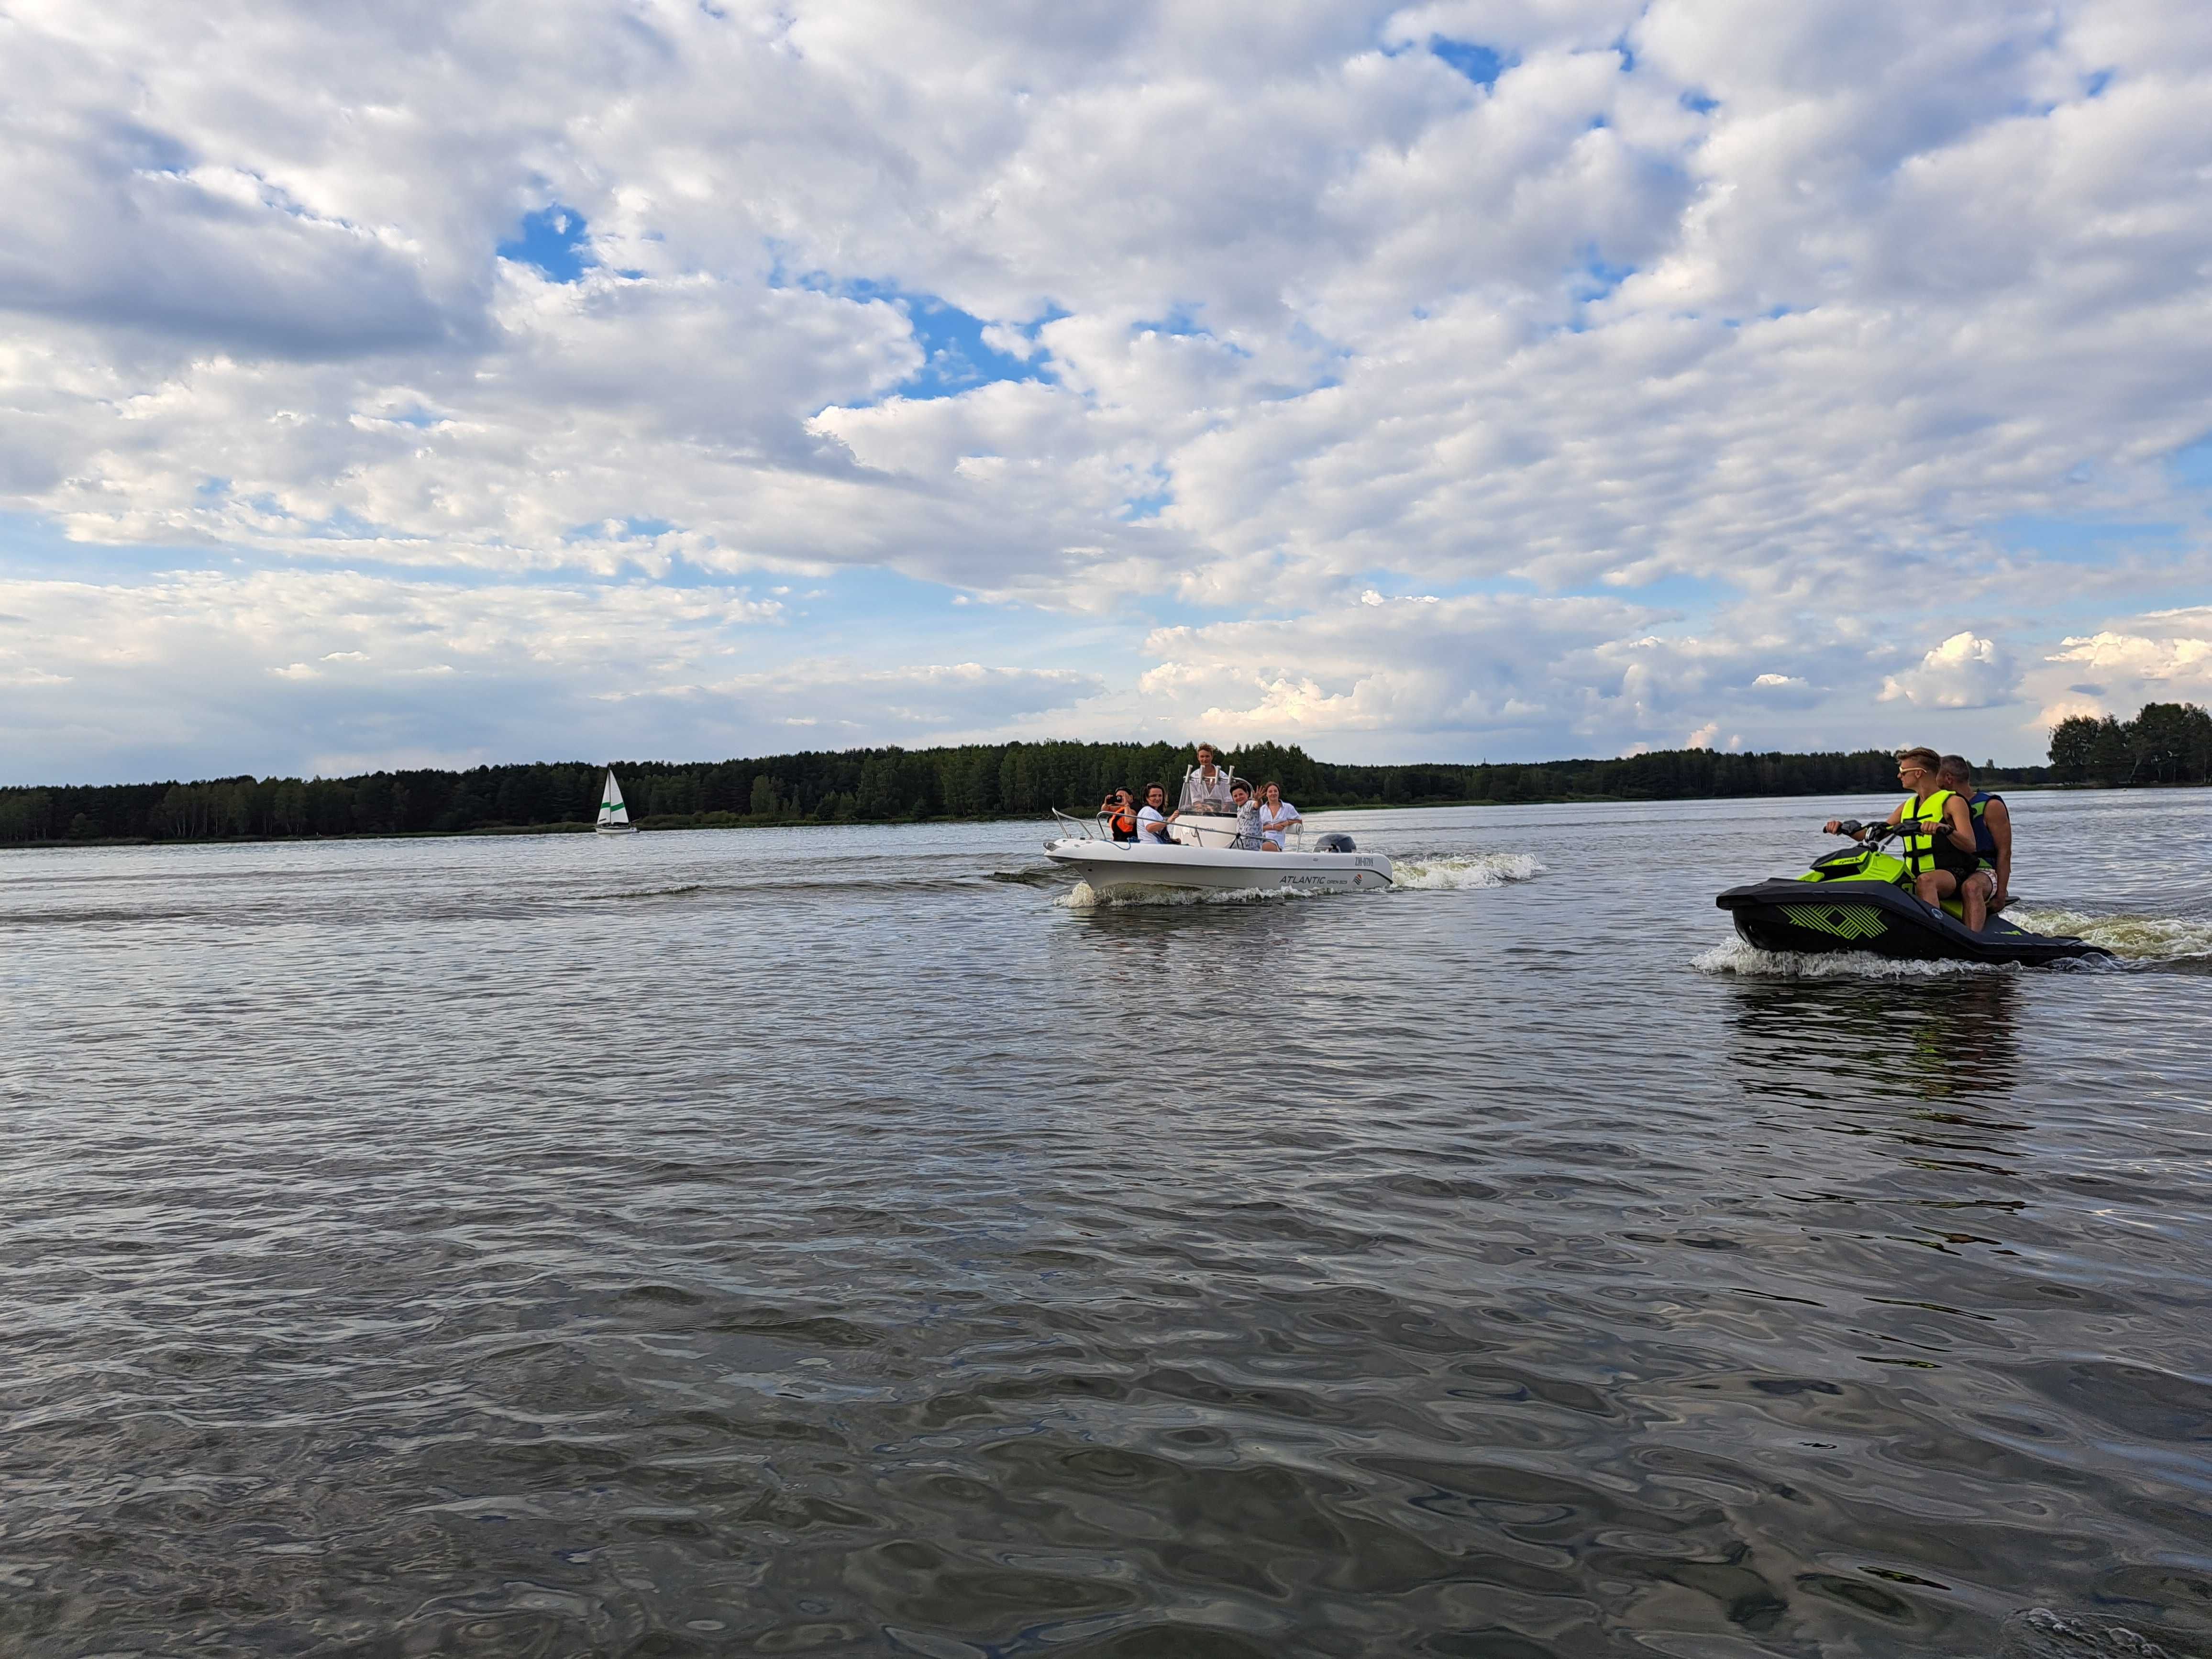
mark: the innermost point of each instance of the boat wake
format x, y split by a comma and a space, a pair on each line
1740, 958
2131, 938
1084, 896
1470, 871
1040, 877
1456, 872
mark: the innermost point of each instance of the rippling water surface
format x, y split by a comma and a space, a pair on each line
837, 1242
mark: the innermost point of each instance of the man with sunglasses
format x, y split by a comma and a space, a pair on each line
1939, 847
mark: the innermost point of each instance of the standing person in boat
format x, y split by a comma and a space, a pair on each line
1248, 817
1278, 817
1152, 822
1120, 814
1206, 785
1939, 847
1992, 832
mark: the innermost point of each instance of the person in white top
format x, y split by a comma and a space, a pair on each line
1248, 817
1206, 785
1151, 823
1278, 817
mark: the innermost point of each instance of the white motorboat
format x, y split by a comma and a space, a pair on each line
1206, 852
614, 817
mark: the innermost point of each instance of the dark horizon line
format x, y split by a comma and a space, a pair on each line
1226, 752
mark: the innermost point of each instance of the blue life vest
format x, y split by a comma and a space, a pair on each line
1984, 842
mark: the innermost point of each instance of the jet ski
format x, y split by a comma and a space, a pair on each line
1860, 898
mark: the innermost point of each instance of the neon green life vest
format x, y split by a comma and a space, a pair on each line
1923, 821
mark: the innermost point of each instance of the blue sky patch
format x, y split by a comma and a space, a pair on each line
1136, 509
1180, 320
629, 529
1479, 63
2192, 466
2090, 542
1677, 590
955, 357
1599, 277
553, 240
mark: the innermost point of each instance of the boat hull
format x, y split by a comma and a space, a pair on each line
1110, 865
1874, 917
615, 829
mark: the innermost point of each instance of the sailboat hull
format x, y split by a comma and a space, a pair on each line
613, 828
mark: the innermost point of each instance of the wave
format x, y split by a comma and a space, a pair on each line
1468, 871
1084, 896
2131, 938
1456, 872
1737, 956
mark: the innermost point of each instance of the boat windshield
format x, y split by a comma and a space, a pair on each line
1203, 794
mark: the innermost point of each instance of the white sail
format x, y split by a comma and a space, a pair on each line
612, 810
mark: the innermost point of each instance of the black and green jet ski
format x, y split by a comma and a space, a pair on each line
1861, 899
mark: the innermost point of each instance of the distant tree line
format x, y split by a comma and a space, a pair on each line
878, 786
2165, 743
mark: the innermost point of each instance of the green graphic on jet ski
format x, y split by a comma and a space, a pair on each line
1844, 920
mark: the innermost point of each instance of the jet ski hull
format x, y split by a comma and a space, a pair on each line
1817, 917
1110, 864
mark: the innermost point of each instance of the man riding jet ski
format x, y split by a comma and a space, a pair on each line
1938, 835
1861, 899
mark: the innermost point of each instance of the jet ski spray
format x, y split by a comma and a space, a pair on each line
1860, 898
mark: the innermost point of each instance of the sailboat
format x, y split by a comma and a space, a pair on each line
614, 817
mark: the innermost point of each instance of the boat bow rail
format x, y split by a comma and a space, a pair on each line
1189, 829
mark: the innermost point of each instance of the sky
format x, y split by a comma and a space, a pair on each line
430, 382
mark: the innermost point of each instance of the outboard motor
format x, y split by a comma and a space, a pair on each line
1334, 843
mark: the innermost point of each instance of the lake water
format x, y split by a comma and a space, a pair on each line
837, 1242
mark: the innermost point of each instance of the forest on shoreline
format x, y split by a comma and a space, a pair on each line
2165, 743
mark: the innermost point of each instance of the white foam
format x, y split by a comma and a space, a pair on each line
1475, 869
1738, 957
1084, 896
2131, 938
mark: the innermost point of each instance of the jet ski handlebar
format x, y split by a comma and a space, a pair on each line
1872, 833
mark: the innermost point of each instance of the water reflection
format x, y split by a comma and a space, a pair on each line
1952, 1039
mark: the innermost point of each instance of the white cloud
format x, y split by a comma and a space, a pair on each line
1964, 672
2183, 659
1778, 313
2161, 656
